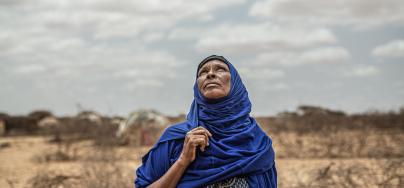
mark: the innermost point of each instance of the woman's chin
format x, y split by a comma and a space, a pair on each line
214, 95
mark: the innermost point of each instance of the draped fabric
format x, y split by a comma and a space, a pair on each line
238, 147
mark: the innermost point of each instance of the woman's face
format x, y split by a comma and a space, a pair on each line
214, 79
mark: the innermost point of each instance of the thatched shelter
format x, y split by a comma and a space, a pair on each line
142, 127
48, 123
90, 116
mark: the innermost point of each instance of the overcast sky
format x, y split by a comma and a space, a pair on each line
118, 56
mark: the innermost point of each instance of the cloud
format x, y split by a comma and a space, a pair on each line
30, 69
322, 55
362, 71
70, 41
183, 34
107, 19
278, 87
246, 38
393, 49
72, 61
357, 13
141, 83
134, 52
261, 73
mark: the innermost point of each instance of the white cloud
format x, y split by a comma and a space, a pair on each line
260, 73
139, 84
236, 38
133, 52
278, 87
185, 33
73, 63
77, 40
357, 13
153, 37
106, 19
68, 38
363, 71
30, 69
391, 49
324, 55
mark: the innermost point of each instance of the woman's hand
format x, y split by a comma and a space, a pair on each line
194, 138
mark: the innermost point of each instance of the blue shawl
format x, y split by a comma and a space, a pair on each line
238, 147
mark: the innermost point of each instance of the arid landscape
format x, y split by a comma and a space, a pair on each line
315, 147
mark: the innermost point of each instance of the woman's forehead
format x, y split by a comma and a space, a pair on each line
212, 62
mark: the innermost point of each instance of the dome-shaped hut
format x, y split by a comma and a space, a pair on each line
142, 127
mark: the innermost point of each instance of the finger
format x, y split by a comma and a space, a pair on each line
202, 128
190, 151
201, 132
199, 141
210, 134
205, 143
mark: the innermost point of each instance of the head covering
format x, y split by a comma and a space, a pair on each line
238, 147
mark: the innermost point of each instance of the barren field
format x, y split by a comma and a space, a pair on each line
316, 148
21, 166
25, 158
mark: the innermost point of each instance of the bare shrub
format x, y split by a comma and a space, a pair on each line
77, 129
20, 125
105, 171
4, 145
340, 144
383, 173
64, 152
46, 178
105, 175
103, 154
393, 173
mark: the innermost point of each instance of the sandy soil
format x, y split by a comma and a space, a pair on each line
18, 161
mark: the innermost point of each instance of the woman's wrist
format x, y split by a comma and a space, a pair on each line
183, 162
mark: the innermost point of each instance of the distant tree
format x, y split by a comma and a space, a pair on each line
3, 116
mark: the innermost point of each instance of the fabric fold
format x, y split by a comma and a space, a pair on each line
238, 147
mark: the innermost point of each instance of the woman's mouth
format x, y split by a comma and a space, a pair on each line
211, 85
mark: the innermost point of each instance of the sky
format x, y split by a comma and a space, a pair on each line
115, 57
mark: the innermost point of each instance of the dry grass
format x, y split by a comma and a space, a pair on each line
104, 171
340, 144
97, 175
315, 149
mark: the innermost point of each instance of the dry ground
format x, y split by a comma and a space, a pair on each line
23, 159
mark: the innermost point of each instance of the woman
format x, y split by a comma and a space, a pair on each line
219, 145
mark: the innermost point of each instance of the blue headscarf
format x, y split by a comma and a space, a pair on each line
238, 146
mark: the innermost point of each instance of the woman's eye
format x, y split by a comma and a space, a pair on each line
202, 73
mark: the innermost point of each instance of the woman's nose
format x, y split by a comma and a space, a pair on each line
211, 74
